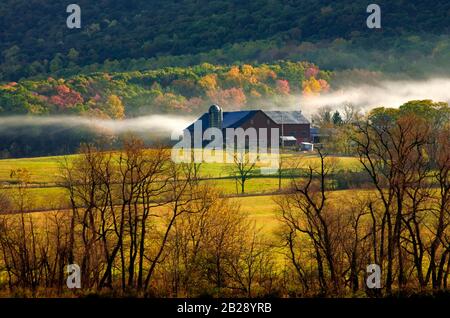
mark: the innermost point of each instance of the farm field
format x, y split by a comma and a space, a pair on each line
46, 169
258, 201
262, 209
40, 197
277, 224
44, 194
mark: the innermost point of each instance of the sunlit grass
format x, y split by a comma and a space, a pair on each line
47, 169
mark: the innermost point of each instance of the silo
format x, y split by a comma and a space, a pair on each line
215, 116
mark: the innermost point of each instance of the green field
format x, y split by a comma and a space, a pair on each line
46, 169
42, 170
41, 196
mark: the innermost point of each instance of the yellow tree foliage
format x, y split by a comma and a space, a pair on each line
249, 73
247, 70
263, 73
307, 91
208, 82
115, 107
234, 72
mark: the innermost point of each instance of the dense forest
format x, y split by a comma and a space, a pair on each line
138, 35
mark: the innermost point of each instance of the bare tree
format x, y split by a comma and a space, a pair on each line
351, 113
243, 167
304, 212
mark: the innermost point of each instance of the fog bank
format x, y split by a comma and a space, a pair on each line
384, 93
152, 124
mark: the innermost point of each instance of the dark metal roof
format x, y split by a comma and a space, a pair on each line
237, 118
204, 119
230, 119
287, 117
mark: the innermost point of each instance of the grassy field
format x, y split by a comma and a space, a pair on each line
261, 209
259, 203
41, 197
46, 169
42, 170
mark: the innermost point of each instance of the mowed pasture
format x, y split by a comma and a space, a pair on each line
45, 170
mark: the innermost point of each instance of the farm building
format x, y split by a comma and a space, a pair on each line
293, 127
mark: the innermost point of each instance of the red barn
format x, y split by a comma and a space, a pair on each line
293, 127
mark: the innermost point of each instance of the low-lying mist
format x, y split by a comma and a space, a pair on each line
32, 136
384, 93
154, 124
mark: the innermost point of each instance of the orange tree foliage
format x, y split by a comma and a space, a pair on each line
313, 86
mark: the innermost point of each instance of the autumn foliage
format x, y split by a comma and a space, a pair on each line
168, 90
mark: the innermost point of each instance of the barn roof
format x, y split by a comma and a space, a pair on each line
286, 117
230, 119
237, 118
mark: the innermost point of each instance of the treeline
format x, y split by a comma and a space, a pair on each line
389, 56
399, 220
166, 90
25, 140
338, 127
21, 141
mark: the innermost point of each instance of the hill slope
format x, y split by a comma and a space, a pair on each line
119, 30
